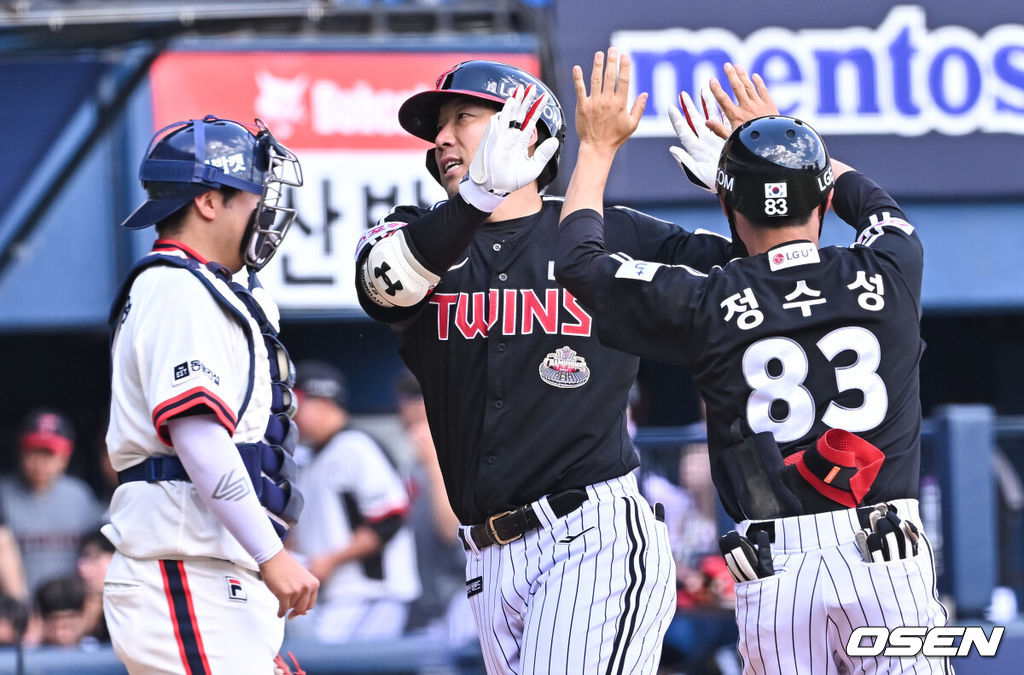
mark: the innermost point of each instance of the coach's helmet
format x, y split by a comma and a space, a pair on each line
188, 158
490, 81
774, 167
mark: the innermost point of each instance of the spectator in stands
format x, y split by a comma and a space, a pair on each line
59, 603
442, 610
14, 615
94, 554
353, 534
46, 509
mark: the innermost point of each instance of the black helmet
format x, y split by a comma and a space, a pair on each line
774, 167
188, 158
490, 81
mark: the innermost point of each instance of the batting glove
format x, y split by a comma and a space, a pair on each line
701, 149
502, 163
888, 538
747, 560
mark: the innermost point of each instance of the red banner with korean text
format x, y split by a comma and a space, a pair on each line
338, 111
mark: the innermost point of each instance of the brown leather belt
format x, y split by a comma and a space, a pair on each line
504, 528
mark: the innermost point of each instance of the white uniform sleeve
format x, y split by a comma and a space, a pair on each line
220, 478
378, 486
191, 358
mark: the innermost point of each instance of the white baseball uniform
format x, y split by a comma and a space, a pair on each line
799, 619
182, 594
572, 595
348, 483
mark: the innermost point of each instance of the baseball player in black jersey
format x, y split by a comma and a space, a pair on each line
567, 568
807, 359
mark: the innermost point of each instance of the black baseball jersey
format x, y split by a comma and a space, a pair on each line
794, 341
522, 398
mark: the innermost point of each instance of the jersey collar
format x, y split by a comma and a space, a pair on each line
792, 254
170, 246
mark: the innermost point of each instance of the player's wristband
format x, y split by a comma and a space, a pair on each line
477, 197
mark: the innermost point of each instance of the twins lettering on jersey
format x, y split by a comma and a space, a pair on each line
512, 311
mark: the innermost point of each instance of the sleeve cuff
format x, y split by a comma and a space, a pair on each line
479, 198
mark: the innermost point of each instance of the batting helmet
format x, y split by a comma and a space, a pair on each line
489, 81
774, 167
188, 158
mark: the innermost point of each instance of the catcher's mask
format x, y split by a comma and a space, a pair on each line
489, 81
188, 158
774, 167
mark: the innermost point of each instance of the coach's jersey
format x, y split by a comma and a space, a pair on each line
175, 349
794, 341
349, 483
521, 397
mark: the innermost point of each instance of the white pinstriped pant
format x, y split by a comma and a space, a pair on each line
592, 592
797, 622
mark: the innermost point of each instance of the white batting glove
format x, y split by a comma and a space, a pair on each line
701, 149
502, 163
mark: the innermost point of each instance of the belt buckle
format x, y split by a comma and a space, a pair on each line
493, 533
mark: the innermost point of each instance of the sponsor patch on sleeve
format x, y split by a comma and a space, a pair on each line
640, 270
186, 371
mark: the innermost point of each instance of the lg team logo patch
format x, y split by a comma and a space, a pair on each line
236, 591
562, 368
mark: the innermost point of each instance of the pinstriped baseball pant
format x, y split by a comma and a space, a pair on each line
592, 592
798, 621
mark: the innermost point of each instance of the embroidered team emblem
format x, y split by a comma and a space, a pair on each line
235, 590
562, 368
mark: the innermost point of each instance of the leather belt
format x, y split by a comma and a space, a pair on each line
504, 528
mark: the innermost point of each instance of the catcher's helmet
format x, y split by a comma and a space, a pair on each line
774, 167
490, 81
188, 158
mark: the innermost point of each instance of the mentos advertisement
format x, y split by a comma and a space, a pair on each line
899, 77
927, 98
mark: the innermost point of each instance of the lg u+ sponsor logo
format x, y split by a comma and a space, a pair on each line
938, 641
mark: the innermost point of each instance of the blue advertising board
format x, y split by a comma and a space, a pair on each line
927, 98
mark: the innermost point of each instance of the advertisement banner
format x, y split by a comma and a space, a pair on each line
900, 77
927, 98
338, 111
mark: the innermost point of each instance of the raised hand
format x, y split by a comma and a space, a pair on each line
701, 148
752, 100
503, 163
603, 120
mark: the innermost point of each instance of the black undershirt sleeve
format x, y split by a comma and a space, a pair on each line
441, 235
856, 197
580, 254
